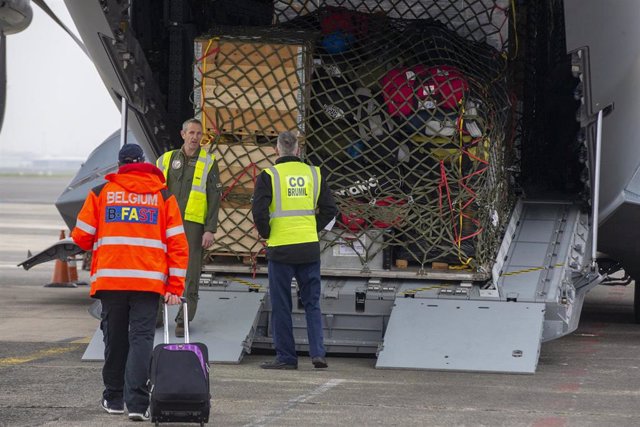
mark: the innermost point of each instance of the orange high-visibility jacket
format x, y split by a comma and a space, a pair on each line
134, 227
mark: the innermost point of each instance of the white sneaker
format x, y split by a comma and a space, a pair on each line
112, 408
137, 416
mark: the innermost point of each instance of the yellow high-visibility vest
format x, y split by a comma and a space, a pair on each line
196, 210
295, 188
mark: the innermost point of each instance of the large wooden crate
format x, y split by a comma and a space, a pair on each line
240, 164
236, 234
251, 86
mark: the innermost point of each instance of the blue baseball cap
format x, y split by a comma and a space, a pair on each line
130, 153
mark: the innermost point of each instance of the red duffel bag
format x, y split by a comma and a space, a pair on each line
389, 212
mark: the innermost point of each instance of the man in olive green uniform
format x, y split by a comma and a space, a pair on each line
192, 176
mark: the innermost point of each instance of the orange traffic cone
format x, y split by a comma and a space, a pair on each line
60, 277
73, 272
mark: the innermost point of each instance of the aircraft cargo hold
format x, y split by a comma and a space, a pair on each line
461, 141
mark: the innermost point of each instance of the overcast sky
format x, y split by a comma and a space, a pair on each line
56, 103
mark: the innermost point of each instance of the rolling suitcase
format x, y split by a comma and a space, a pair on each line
179, 379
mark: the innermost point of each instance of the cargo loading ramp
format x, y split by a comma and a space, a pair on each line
489, 336
226, 322
499, 327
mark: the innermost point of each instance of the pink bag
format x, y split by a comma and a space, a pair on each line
398, 90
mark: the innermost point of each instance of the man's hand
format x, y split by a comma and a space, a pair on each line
171, 299
207, 239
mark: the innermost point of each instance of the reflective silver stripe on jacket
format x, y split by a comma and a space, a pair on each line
208, 162
130, 241
178, 272
278, 212
316, 188
129, 274
85, 227
174, 230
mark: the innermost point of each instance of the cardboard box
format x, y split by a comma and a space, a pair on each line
236, 233
252, 86
239, 165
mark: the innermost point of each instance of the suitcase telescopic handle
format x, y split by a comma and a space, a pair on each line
185, 315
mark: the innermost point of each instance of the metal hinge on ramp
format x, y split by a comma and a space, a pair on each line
456, 335
226, 322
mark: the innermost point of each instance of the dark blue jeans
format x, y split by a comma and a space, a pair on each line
128, 327
308, 278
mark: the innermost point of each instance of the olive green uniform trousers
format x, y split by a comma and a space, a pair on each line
194, 232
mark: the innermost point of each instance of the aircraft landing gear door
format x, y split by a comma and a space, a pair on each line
450, 335
226, 322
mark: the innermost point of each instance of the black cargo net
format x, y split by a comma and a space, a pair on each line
403, 105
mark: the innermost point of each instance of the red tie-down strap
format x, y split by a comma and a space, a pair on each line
444, 184
463, 185
252, 169
444, 190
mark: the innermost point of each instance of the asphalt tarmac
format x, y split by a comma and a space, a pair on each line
590, 378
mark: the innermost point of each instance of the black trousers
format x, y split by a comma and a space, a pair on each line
128, 328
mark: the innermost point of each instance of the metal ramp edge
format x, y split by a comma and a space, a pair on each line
226, 322
547, 249
463, 335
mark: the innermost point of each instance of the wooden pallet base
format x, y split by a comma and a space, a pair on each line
244, 257
254, 138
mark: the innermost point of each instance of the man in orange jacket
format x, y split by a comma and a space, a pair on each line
134, 227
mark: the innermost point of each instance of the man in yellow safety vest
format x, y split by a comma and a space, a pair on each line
291, 203
192, 176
